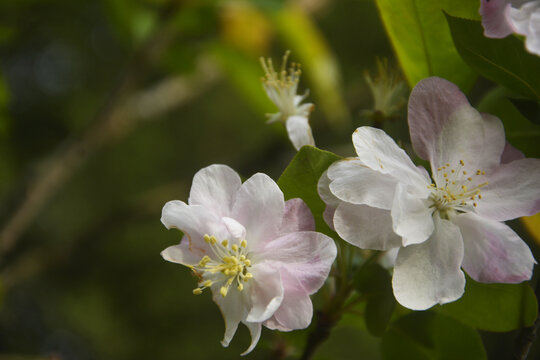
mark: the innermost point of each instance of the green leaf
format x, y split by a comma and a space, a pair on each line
374, 282
528, 108
422, 41
520, 132
300, 178
494, 307
431, 336
504, 61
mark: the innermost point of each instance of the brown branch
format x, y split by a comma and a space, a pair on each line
120, 114
528, 335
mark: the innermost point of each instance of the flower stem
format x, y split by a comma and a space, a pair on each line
330, 315
528, 335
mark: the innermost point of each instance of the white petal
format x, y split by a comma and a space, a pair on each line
259, 206
194, 221
255, 332
513, 191
495, 143
297, 217
323, 188
411, 217
379, 152
266, 292
353, 182
183, 253
430, 104
215, 187
522, 19
296, 310
234, 309
366, 227
493, 251
429, 273
466, 137
307, 255
299, 131
237, 230
510, 154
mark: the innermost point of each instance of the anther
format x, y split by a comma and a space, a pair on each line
225, 242
243, 243
197, 291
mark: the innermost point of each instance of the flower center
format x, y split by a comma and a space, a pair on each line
227, 265
281, 86
455, 189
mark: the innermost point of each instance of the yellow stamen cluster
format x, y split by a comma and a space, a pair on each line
281, 86
227, 265
457, 188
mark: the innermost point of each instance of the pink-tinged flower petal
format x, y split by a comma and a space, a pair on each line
183, 253
266, 293
296, 310
429, 273
328, 216
215, 187
299, 131
495, 143
493, 251
237, 230
194, 221
494, 18
259, 206
331, 201
323, 188
380, 152
307, 255
468, 136
431, 102
411, 217
366, 227
353, 182
513, 191
510, 154
297, 217
255, 332
234, 309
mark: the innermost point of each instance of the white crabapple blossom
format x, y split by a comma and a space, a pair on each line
443, 222
501, 18
281, 89
257, 253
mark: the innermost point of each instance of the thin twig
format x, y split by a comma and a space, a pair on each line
528, 335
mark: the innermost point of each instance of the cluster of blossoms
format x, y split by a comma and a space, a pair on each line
443, 222
261, 257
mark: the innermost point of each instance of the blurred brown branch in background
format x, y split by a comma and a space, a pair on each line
123, 111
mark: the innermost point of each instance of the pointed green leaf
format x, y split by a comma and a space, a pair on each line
431, 336
494, 307
422, 41
300, 179
504, 61
374, 282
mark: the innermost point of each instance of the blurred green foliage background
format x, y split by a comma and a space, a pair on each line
107, 109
